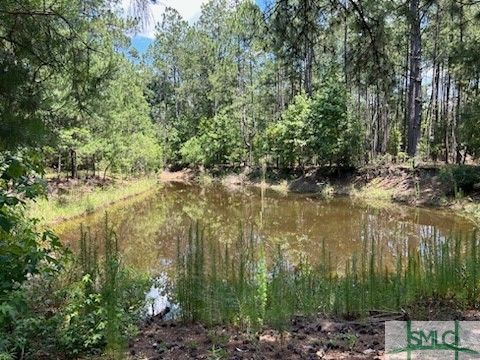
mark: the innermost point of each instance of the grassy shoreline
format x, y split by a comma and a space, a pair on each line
230, 304
83, 199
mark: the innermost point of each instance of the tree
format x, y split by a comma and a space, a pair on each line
254, 64
470, 128
334, 135
415, 79
287, 138
218, 142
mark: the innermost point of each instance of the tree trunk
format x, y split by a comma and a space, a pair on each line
308, 68
447, 116
432, 114
59, 166
105, 171
345, 41
415, 86
73, 157
457, 145
404, 100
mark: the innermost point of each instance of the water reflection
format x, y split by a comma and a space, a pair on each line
300, 225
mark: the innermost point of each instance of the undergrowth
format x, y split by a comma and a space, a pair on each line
92, 307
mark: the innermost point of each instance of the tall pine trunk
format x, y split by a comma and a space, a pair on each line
415, 86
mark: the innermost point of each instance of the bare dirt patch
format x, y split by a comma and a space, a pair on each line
306, 338
185, 175
60, 186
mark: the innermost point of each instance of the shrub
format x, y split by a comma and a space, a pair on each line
460, 177
104, 304
334, 134
470, 127
287, 138
318, 129
92, 306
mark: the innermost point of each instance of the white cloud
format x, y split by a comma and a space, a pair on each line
189, 9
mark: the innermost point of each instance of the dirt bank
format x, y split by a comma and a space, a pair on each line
425, 185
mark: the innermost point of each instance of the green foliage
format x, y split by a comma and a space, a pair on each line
54, 62
318, 130
23, 250
68, 88
286, 138
213, 286
218, 142
80, 200
103, 305
125, 136
119, 134
470, 127
394, 142
334, 134
64, 83
460, 177
91, 307
234, 285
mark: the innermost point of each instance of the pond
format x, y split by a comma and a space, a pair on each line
300, 225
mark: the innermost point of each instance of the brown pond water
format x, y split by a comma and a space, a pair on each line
149, 225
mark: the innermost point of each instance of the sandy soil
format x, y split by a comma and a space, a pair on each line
186, 175
308, 338
320, 338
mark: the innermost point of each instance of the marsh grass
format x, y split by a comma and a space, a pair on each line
218, 283
237, 284
81, 200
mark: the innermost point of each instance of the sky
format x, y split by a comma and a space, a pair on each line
189, 9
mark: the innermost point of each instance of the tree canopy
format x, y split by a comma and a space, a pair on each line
408, 74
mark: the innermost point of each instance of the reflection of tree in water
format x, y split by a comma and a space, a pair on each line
298, 224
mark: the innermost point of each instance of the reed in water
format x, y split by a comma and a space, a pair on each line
238, 284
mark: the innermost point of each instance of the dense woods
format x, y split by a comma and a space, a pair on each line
297, 81
288, 84
69, 92
293, 83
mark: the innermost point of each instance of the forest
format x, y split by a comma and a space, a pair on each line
317, 82
296, 83
284, 84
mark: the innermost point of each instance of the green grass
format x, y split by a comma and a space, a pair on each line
81, 200
374, 191
237, 284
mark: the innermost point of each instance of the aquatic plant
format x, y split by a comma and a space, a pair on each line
242, 286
